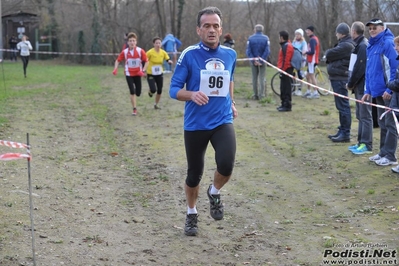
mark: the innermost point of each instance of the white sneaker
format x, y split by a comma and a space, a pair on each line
308, 93
384, 162
395, 169
298, 93
315, 95
375, 158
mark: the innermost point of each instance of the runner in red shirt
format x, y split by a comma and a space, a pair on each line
134, 58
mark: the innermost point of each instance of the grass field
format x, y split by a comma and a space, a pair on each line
109, 186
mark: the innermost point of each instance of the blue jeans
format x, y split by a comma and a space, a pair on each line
342, 105
258, 74
365, 127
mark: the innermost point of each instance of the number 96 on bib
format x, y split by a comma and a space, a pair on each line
215, 83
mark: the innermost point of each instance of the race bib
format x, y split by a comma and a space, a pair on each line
215, 83
156, 70
133, 62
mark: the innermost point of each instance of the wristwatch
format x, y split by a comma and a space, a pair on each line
234, 103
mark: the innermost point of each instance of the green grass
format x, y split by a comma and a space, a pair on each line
54, 80
282, 160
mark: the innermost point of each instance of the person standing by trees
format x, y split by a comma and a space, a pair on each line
156, 57
258, 45
284, 63
338, 59
125, 41
170, 44
381, 69
356, 84
300, 43
228, 41
134, 58
13, 47
204, 79
24, 46
312, 58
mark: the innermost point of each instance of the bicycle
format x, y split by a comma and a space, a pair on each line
321, 78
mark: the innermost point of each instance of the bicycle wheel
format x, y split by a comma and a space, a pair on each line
323, 82
275, 84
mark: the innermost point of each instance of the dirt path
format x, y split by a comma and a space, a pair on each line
293, 193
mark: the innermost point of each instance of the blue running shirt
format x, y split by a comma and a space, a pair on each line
210, 70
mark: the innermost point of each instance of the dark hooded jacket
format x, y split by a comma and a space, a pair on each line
338, 59
357, 77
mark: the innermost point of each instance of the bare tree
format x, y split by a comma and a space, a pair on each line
358, 10
160, 6
179, 17
99, 25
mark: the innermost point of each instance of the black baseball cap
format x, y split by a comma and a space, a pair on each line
375, 21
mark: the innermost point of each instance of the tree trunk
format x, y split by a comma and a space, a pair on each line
160, 5
179, 17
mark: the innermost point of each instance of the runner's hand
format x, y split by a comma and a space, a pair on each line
235, 112
115, 71
199, 98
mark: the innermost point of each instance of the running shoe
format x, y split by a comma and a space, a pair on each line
353, 147
315, 95
395, 169
150, 94
134, 111
375, 158
298, 93
191, 228
156, 107
385, 161
216, 206
308, 93
362, 149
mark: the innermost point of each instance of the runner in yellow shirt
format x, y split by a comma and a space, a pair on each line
156, 57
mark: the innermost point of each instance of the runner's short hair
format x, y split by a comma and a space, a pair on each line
209, 11
155, 39
131, 35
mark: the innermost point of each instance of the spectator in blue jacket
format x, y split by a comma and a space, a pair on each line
381, 69
170, 44
392, 133
258, 45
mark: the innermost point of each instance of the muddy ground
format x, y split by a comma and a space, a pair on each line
108, 187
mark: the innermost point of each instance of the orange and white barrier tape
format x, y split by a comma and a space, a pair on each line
71, 53
388, 109
60, 53
13, 144
14, 156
